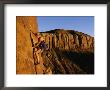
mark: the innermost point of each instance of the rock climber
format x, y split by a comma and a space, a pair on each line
37, 55
39, 48
43, 46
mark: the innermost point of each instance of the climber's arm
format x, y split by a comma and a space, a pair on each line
36, 45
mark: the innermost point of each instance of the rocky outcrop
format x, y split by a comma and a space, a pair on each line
24, 54
69, 40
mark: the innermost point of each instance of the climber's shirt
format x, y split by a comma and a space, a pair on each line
42, 45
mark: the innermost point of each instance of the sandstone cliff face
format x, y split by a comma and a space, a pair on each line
26, 29
68, 40
24, 55
69, 52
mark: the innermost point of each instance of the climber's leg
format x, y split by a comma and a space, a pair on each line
38, 59
39, 51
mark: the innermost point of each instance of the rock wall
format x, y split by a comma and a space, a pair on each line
24, 54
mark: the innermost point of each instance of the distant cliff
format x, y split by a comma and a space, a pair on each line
69, 40
69, 51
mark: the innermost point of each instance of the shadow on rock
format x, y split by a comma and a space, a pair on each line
85, 60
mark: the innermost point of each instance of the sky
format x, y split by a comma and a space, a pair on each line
83, 24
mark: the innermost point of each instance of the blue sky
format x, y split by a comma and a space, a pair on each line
83, 24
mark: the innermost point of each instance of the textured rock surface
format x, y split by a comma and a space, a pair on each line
26, 38
24, 54
70, 39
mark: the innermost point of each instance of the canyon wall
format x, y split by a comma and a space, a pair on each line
68, 40
24, 54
